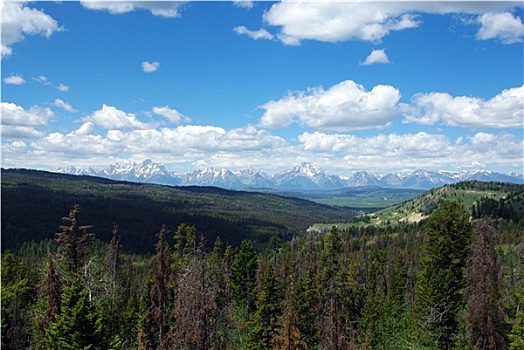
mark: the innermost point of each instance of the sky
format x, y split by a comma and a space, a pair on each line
349, 86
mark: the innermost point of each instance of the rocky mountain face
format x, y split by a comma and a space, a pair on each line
306, 176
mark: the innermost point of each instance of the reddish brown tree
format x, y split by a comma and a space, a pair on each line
73, 240
154, 326
485, 314
53, 293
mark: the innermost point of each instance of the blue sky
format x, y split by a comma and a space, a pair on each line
391, 86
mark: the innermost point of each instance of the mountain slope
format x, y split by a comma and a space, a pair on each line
306, 176
34, 201
468, 193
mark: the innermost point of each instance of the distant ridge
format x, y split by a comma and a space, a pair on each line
306, 176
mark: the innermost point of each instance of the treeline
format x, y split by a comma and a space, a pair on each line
446, 283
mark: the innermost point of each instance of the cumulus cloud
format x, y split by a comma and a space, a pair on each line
502, 26
371, 21
166, 9
171, 114
64, 105
14, 79
376, 56
256, 34
19, 123
343, 107
337, 21
411, 151
86, 129
393, 145
191, 143
150, 67
506, 110
111, 118
19, 20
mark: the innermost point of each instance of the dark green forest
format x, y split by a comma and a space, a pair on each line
33, 200
452, 281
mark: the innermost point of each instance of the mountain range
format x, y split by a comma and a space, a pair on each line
306, 176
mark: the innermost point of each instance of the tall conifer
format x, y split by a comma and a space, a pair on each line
441, 280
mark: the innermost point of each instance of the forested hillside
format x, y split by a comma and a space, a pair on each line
448, 282
494, 199
32, 201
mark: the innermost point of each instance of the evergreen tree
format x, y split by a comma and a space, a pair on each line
516, 336
113, 291
78, 326
244, 275
441, 280
17, 293
306, 303
289, 337
265, 321
333, 316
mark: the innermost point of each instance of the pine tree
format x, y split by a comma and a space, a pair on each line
17, 294
73, 240
289, 337
244, 275
195, 309
265, 321
158, 298
516, 336
52, 293
485, 315
78, 326
306, 303
441, 280
331, 278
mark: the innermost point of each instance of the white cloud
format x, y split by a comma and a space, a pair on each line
419, 145
14, 79
334, 21
394, 152
376, 56
64, 105
113, 119
247, 4
171, 114
62, 87
166, 9
506, 110
503, 145
343, 107
19, 123
19, 20
42, 80
150, 67
337, 21
192, 143
86, 129
256, 34
503, 26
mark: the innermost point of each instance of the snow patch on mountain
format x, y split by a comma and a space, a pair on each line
306, 176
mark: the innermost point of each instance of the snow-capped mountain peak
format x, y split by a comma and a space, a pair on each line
308, 169
306, 176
